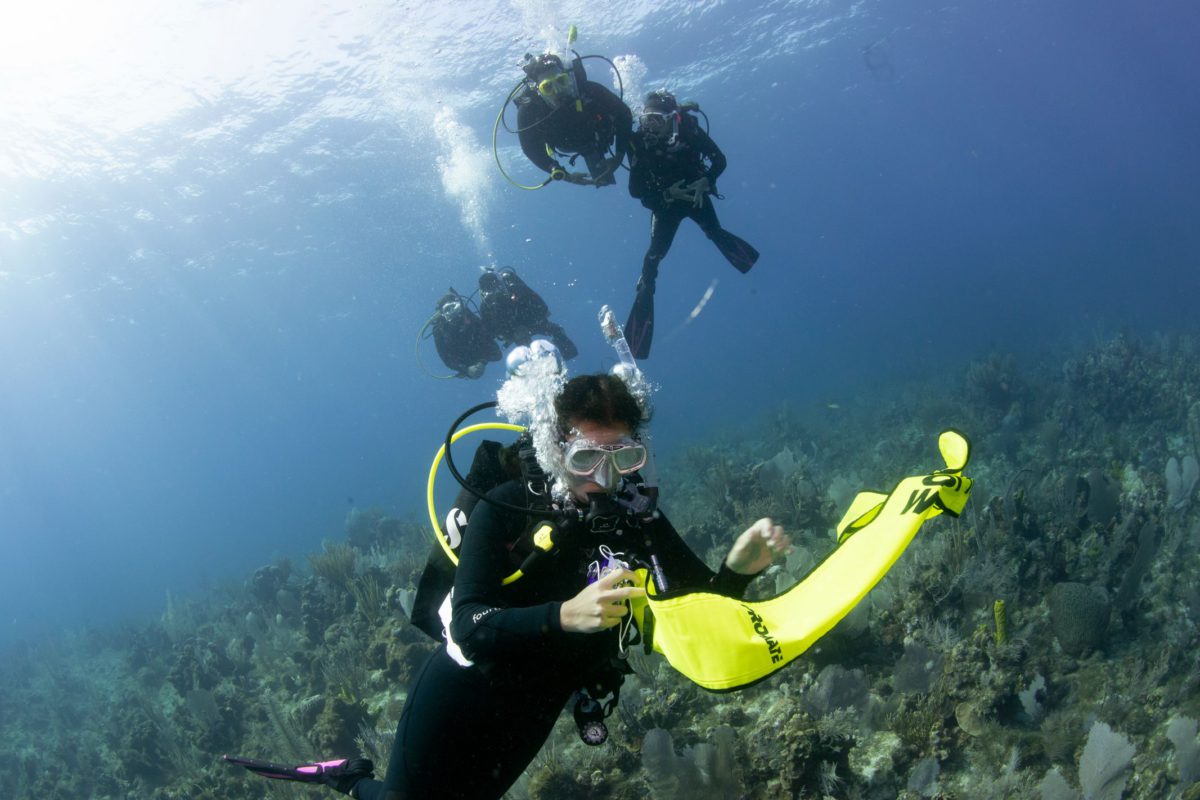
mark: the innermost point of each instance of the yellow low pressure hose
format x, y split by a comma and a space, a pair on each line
434, 520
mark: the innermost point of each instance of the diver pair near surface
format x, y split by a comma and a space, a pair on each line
672, 160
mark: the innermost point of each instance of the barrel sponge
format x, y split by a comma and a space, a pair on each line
1079, 616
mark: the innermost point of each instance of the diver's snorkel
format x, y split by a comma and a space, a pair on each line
638, 499
628, 369
572, 35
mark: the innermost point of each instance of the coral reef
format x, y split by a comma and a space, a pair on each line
1043, 645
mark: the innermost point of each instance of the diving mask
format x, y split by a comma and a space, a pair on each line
451, 310
605, 463
656, 126
556, 85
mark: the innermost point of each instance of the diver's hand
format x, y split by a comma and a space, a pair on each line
678, 191
609, 176
699, 188
757, 547
601, 605
578, 178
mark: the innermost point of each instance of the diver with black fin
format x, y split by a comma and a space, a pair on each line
562, 114
674, 166
516, 314
531, 600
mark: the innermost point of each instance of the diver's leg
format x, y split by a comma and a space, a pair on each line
664, 224
737, 251
412, 766
462, 738
435, 716
639, 326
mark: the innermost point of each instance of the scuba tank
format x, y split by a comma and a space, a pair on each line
521, 295
507, 305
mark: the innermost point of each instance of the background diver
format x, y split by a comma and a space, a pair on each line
674, 166
462, 342
561, 112
515, 314
509, 310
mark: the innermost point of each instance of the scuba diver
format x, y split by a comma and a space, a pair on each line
460, 337
509, 310
674, 166
561, 113
514, 652
515, 314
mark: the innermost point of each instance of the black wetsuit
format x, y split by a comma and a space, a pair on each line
655, 168
464, 343
515, 314
469, 732
603, 121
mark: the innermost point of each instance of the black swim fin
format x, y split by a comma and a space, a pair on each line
738, 251
558, 336
639, 329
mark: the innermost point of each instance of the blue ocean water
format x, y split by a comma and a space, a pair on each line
222, 225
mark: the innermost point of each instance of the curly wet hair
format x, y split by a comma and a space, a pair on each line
597, 398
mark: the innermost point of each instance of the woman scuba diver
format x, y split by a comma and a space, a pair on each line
515, 652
